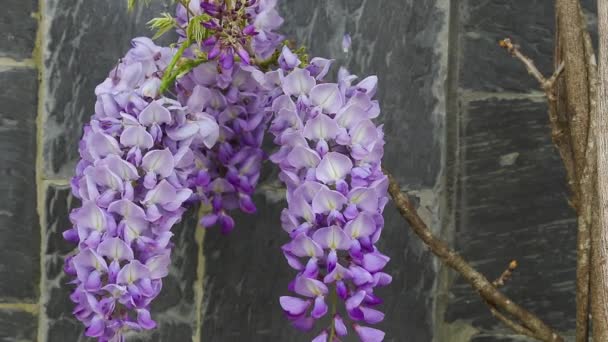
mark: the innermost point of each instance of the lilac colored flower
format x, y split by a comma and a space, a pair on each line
330, 160
229, 172
346, 43
238, 33
137, 156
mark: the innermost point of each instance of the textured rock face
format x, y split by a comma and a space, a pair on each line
466, 133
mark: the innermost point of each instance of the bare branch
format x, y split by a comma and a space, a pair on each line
559, 132
480, 283
518, 328
506, 275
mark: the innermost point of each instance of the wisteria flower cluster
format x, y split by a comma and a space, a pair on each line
175, 126
330, 160
137, 156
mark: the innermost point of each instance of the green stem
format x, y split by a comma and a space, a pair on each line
334, 307
168, 75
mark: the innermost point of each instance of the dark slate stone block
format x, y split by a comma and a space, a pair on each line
18, 26
174, 309
400, 42
514, 205
84, 41
19, 229
17, 326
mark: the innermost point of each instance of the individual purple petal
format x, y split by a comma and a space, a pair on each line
163, 193
364, 198
367, 334
360, 275
341, 290
337, 274
90, 216
208, 129
322, 127
369, 85
96, 327
362, 226
382, 279
374, 262
339, 326
209, 220
159, 266
136, 136
120, 167
115, 249
303, 323
132, 272
332, 237
159, 161
101, 145
183, 132
154, 113
333, 167
298, 82
364, 133
322, 337
371, 316
355, 300
319, 67
327, 200
145, 320
287, 59
303, 157
93, 282
346, 42
327, 96
303, 246
198, 100
309, 287
350, 115
294, 306
320, 308
126, 209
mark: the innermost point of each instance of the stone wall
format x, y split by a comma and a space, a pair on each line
466, 133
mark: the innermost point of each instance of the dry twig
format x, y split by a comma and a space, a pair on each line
505, 275
528, 323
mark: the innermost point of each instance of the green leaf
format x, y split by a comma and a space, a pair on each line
131, 3
196, 31
162, 24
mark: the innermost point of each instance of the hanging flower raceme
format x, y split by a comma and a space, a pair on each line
240, 28
228, 173
229, 90
137, 157
330, 160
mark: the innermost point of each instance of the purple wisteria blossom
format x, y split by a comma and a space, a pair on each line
243, 29
330, 160
228, 173
137, 157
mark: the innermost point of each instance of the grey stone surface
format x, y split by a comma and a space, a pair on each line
84, 41
174, 309
18, 26
17, 326
513, 205
19, 229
